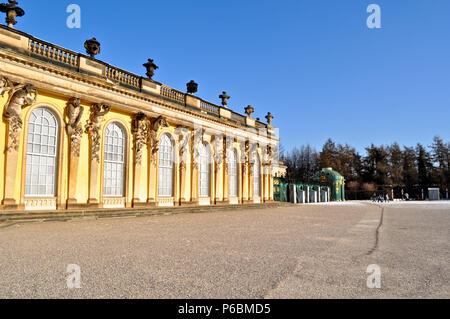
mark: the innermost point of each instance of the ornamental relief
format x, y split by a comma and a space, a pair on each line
228, 145
93, 127
244, 146
5, 85
140, 126
153, 141
74, 128
185, 135
218, 151
197, 143
267, 155
253, 152
20, 96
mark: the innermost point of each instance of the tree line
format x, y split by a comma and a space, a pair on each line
383, 168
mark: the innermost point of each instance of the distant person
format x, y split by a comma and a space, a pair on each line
374, 197
406, 196
387, 198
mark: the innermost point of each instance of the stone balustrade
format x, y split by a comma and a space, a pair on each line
123, 77
209, 107
238, 117
172, 94
31, 46
52, 52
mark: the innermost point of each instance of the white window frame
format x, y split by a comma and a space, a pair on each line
204, 172
166, 166
257, 177
233, 173
114, 161
42, 153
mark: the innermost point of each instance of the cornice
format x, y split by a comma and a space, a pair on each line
115, 89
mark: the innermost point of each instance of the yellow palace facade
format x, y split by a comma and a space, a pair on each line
79, 133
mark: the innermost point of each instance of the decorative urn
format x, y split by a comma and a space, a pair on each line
249, 110
151, 67
92, 47
12, 12
224, 97
192, 87
269, 118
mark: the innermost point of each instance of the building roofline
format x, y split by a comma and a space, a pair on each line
36, 44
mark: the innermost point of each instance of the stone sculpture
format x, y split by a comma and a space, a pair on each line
140, 131
74, 127
98, 111
20, 96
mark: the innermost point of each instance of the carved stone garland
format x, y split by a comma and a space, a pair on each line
74, 127
153, 141
98, 111
5, 85
140, 130
252, 153
228, 144
20, 96
197, 142
218, 151
184, 134
245, 146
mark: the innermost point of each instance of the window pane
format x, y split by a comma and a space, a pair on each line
165, 170
256, 177
114, 161
233, 172
204, 171
42, 146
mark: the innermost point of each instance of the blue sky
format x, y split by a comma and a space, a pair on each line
313, 63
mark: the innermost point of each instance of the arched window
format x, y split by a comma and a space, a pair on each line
42, 149
165, 176
233, 173
204, 171
257, 177
114, 161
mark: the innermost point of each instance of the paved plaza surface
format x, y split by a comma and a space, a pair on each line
307, 251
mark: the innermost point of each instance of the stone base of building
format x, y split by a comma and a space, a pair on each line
219, 202
137, 203
8, 218
73, 205
184, 203
10, 204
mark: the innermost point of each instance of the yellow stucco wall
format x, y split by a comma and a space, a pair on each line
3, 140
147, 187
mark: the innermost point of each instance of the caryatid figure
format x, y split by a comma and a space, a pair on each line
20, 97
74, 127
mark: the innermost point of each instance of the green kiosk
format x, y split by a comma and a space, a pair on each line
335, 181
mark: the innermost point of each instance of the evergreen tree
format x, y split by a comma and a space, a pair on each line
328, 154
376, 165
440, 155
396, 165
409, 168
424, 167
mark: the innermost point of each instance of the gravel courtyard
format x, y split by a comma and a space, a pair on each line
308, 251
